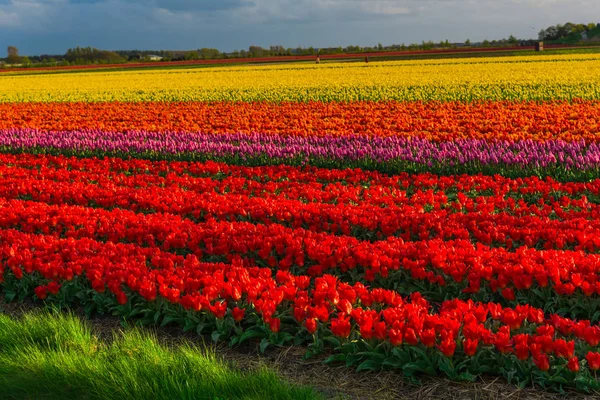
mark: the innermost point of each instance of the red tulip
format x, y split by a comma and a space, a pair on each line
121, 298
448, 347
573, 364
311, 325
41, 292
542, 362
275, 324
522, 351
340, 327
428, 337
238, 313
470, 347
593, 360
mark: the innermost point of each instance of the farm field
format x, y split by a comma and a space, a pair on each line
432, 217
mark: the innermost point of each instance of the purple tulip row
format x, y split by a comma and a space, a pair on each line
525, 153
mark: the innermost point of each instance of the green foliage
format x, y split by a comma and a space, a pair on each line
90, 55
52, 355
569, 33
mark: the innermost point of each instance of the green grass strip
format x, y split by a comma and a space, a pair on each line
52, 355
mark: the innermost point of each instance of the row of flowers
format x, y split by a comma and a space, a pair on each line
562, 224
551, 279
564, 160
375, 213
571, 77
278, 178
370, 327
435, 121
307, 183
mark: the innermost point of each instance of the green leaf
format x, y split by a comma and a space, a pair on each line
283, 338
263, 345
352, 359
446, 366
466, 376
335, 358
394, 363
249, 334
411, 368
189, 325
168, 319
369, 365
215, 336
10, 295
402, 355
335, 342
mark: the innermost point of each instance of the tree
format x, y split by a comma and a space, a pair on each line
89, 55
13, 55
552, 33
256, 51
542, 34
486, 43
211, 54
513, 40
192, 55
468, 42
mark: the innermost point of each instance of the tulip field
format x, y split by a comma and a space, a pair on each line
433, 217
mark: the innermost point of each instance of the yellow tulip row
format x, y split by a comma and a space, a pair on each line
494, 78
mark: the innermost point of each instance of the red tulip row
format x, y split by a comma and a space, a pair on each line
491, 220
140, 195
53, 267
511, 227
290, 180
458, 265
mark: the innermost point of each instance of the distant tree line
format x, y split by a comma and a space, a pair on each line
90, 55
561, 31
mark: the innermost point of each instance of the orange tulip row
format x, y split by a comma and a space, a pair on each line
434, 121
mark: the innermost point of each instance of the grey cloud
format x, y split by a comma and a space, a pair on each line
52, 26
177, 5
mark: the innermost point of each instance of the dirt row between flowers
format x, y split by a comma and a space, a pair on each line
333, 381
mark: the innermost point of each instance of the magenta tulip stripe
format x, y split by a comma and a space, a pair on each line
388, 154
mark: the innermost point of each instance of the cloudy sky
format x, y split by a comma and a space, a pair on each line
52, 26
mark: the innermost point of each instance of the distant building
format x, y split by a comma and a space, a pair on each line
584, 35
153, 57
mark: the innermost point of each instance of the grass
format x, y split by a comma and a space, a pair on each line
54, 355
